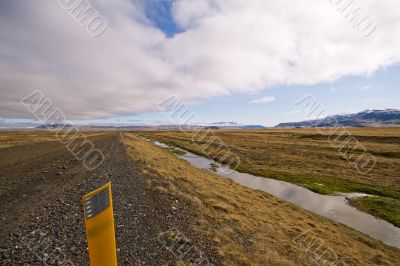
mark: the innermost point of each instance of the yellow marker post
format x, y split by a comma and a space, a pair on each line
99, 221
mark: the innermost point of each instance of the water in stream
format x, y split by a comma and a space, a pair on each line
333, 207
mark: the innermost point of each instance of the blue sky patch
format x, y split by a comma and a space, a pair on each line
159, 12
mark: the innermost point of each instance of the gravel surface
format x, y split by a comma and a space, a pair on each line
41, 186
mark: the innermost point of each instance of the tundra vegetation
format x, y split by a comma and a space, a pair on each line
13, 138
306, 157
250, 227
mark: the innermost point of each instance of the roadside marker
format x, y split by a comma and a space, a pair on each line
99, 221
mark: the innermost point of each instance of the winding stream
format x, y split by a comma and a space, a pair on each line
332, 207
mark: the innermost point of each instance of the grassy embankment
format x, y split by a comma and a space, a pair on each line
250, 227
385, 208
306, 158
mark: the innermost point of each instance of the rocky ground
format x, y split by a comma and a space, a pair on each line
41, 186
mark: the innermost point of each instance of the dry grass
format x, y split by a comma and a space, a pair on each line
251, 227
307, 158
304, 157
12, 138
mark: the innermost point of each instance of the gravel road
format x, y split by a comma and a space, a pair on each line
41, 186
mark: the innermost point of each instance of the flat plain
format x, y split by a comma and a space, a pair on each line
155, 191
250, 227
309, 158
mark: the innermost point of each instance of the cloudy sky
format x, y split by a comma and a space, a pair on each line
229, 60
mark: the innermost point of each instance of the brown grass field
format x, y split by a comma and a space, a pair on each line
12, 138
251, 227
307, 158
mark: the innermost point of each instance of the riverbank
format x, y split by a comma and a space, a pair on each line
250, 227
306, 158
384, 208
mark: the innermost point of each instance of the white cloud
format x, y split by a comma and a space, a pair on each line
226, 47
266, 99
292, 112
372, 100
365, 88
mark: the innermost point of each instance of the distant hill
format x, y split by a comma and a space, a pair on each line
230, 125
213, 126
368, 118
54, 126
252, 127
225, 124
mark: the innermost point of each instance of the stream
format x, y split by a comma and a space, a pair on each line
334, 207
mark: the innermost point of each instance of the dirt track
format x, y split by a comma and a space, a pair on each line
40, 190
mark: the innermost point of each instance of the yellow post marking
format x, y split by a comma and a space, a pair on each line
99, 221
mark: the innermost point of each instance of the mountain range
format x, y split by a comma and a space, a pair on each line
213, 125
368, 118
